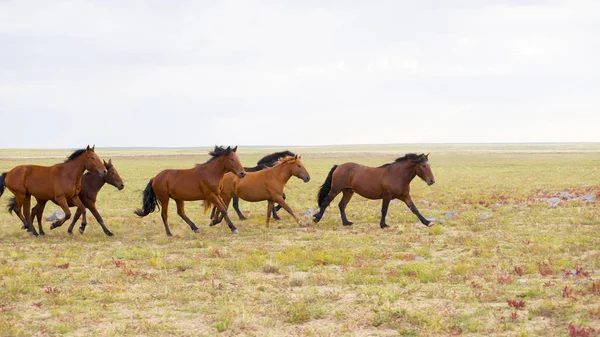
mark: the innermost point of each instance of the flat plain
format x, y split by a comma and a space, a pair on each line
515, 251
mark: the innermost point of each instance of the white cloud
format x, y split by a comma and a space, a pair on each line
349, 72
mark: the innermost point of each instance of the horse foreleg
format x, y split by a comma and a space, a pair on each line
279, 200
80, 208
408, 201
236, 207
74, 221
96, 215
347, 195
384, 208
27, 215
269, 211
181, 213
276, 208
222, 207
62, 203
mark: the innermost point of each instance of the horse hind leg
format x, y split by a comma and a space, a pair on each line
27, 215
18, 209
236, 207
347, 195
38, 211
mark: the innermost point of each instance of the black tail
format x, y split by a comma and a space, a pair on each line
12, 205
2, 183
149, 203
325, 188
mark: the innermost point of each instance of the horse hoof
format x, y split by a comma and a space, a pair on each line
70, 232
349, 223
212, 223
197, 230
429, 224
316, 220
32, 233
235, 231
169, 234
81, 230
42, 233
384, 225
302, 224
108, 233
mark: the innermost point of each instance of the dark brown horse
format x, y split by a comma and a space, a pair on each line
59, 183
266, 161
91, 183
198, 183
266, 184
387, 182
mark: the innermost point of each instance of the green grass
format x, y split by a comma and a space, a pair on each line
326, 279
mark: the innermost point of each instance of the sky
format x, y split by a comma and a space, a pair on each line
202, 73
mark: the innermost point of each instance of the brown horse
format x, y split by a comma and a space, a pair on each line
266, 184
59, 183
198, 183
91, 183
266, 161
387, 182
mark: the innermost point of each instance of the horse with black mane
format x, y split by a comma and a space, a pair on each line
59, 183
198, 183
91, 183
386, 182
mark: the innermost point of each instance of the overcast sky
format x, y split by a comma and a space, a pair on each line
197, 73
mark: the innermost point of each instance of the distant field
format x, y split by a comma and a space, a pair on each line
505, 258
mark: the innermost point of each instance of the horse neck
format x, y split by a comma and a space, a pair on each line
283, 172
94, 182
214, 168
405, 168
75, 168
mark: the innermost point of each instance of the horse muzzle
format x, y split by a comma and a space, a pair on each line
120, 187
241, 174
306, 179
430, 182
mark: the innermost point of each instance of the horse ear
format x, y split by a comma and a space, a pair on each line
104, 162
93, 147
88, 148
110, 160
235, 148
427, 156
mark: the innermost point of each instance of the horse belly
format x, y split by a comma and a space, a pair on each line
250, 191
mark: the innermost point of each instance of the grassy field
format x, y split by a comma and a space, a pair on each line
503, 258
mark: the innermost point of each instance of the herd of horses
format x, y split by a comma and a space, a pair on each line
217, 182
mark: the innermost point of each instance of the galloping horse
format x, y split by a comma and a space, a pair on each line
59, 183
198, 183
91, 183
263, 185
266, 161
387, 182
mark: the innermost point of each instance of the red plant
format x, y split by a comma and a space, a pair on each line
519, 270
545, 269
579, 272
568, 293
37, 304
580, 331
63, 266
516, 304
476, 285
50, 290
514, 316
505, 278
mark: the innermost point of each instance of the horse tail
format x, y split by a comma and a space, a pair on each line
325, 188
2, 183
207, 206
12, 205
149, 202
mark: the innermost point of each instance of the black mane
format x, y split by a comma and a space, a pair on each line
74, 155
271, 159
219, 151
417, 158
